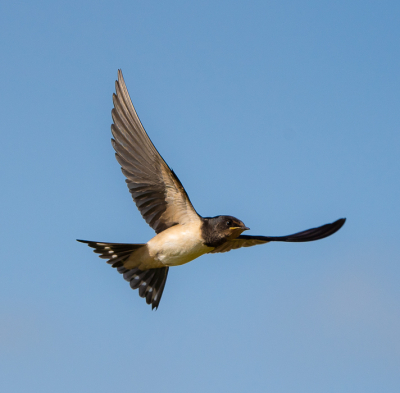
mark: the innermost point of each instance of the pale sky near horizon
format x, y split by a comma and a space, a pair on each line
284, 114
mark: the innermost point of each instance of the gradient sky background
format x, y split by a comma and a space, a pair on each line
282, 113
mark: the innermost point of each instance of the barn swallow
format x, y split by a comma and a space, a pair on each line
182, 235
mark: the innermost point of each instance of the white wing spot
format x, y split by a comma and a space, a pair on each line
114, 256
111, 252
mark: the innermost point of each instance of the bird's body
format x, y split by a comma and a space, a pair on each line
178, 245
182, 235
175, 246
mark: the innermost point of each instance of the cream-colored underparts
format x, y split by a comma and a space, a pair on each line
175, 246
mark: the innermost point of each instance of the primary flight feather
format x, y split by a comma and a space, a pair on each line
181, 233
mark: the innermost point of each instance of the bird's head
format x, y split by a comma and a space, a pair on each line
230, 226
219, 229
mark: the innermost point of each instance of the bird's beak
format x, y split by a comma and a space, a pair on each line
242, 228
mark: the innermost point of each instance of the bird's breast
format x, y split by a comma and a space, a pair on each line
178, 245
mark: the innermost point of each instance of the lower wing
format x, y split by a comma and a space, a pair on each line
304, 236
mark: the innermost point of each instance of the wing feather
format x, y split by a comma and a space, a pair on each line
304, 236
156, 190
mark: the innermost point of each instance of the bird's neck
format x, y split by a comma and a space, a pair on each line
212, 237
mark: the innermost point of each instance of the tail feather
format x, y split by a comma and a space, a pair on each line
150, 282
116, 253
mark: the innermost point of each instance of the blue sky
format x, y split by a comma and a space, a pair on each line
284, 114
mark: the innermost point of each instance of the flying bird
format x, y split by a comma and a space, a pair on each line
182, 235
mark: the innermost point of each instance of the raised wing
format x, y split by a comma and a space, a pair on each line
156, 190
304, 236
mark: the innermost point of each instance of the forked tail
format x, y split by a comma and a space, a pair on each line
150, 282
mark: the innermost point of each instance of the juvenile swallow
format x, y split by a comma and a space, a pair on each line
182, 235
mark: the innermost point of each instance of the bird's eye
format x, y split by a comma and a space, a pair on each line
229, 223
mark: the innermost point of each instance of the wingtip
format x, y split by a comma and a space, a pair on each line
311, 234
120, 76
340, 222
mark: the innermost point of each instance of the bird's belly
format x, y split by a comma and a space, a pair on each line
177, 245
